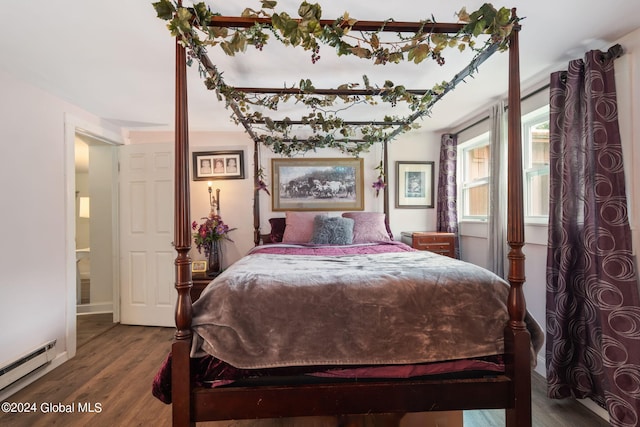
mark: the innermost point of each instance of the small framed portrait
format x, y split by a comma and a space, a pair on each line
210, 165
199, 266
414, 184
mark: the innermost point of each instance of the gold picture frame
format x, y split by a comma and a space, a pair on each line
322, 184
199, 266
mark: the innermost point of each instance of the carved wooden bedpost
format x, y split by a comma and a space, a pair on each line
517, 338
256, 193
385, 171
180, 375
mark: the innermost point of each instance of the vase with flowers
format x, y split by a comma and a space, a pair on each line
379, 183
208, 236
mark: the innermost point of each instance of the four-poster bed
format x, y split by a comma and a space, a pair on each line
508, 389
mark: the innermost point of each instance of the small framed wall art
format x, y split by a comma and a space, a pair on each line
414, 184
210, 165
199, 266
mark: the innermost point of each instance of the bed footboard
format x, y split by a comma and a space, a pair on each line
338, 399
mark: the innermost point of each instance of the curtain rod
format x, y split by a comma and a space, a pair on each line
506, 107
614, 52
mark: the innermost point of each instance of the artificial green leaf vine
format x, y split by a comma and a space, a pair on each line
197, 33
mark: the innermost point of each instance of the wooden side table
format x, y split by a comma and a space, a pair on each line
200, 281
432, 241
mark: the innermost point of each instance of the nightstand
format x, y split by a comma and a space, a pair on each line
432, 241
200, 281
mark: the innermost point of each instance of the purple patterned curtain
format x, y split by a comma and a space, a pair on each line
593, 307
447, 197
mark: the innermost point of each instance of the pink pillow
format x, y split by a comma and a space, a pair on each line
369, 227
299, 227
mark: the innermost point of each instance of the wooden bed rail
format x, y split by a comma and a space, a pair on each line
389, 26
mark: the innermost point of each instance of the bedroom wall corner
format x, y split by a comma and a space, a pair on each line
34, 255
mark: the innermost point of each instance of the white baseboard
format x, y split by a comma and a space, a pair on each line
541, 366
595, 408
105, 307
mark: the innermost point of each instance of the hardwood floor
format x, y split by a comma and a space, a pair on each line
112, 374
546, 412
90, 326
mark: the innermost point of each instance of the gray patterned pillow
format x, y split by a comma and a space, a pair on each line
332, 230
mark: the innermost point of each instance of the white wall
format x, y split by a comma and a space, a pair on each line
82, 224
103, 190
236, 195
36, 287
413, 146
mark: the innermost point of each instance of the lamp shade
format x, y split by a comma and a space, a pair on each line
83, 211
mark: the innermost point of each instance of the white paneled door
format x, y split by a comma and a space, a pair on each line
147, 294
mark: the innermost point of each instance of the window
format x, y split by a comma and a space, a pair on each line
535, 135
474, 172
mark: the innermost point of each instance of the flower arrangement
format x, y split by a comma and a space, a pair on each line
212, 229
260, 183
379, 184
197, 32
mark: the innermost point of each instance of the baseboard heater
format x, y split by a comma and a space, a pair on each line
26, 364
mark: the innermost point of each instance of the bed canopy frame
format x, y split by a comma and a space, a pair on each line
510, 391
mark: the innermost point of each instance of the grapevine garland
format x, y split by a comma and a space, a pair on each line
197, 31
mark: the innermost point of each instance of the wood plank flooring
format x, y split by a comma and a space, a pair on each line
112, 374
90, 326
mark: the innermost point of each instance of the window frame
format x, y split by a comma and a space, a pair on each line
530, 120
462, 172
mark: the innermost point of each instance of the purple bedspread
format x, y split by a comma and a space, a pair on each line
211, 372
448, 330
331, 250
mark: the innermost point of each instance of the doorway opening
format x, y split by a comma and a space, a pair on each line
96, 222
92, 227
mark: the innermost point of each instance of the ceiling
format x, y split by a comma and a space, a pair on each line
115, 59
